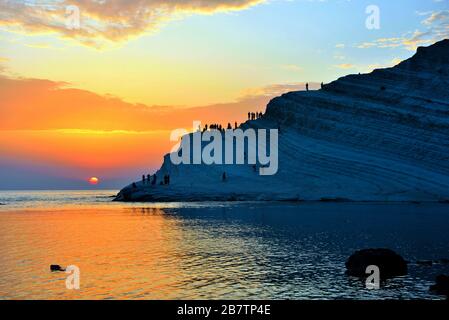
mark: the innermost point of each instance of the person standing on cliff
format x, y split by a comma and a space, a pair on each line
307, 86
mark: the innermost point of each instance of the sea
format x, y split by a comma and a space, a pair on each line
210, 250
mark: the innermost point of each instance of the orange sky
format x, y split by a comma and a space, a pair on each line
51, 124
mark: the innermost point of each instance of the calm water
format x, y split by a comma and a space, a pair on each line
209, 250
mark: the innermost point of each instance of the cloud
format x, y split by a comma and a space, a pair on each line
436, 28
2, 64
38, 104
275, 90
382, 43
345, 66
105, 21
369, 67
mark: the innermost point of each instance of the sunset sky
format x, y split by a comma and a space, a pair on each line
101, 100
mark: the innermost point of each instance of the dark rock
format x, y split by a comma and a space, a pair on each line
441, 285
389, 262
334, 200
424, 262
444, 260
56, 267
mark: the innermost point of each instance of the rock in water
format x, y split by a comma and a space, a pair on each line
351, 140
389, 262
56, 267
425, 262
441, 285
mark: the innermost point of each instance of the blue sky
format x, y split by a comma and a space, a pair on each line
216, 55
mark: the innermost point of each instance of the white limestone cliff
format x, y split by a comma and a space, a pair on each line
382, 136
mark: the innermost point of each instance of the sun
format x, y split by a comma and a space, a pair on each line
94, 180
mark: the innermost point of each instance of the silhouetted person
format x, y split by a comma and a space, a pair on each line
249, 116
143, 179
223, 177
235, 125
322, 85
260, 115
307, 87
134, 185
148, 178
229, 126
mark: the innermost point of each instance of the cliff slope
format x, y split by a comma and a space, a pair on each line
382, 136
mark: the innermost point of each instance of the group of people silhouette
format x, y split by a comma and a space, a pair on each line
216, 126
307, 86
152, 179
254, 115
219, 127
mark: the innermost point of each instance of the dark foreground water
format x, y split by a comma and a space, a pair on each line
210, 250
